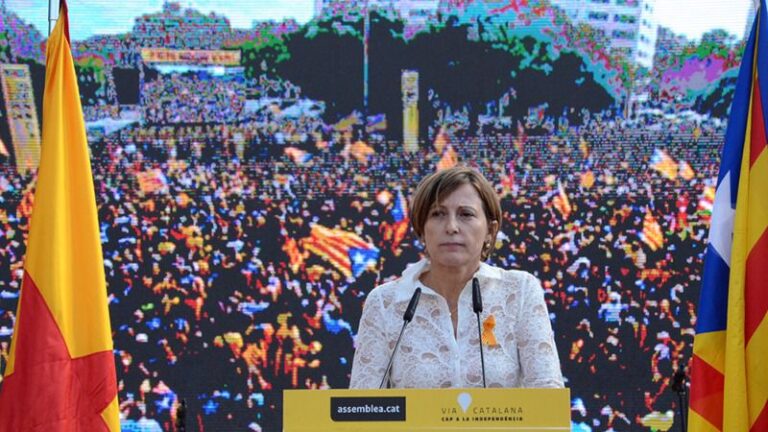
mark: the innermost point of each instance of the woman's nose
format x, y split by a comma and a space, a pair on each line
451, 225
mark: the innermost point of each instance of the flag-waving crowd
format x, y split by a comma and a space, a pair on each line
257, 268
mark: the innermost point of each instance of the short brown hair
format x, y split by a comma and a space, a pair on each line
434, 188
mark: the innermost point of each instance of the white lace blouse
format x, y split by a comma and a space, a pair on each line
430, 356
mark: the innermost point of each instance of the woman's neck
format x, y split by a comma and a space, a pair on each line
448, 281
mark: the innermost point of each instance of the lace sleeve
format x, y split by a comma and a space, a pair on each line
371, 345
539, 361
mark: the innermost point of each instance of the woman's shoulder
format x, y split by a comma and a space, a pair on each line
385, 289
387, 292
401, 287
515, 278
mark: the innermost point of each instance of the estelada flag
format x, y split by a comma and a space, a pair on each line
662, 162
729, 378
61, 371
346, 251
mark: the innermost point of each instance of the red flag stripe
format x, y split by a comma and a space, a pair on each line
758, 140
344, 243
761, 423
756, 281
707, 395
64, 13
338, 236
338, 258
335, 253
71, 393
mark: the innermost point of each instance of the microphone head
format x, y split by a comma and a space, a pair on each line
477, 300
411, 309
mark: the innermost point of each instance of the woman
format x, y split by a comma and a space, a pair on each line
456, 213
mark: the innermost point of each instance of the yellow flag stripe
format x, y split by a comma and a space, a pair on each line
710, 347
64, 250
735, 412
699, 424
111, 415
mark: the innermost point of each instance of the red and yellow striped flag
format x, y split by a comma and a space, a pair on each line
652, 234
61, 371
729, 379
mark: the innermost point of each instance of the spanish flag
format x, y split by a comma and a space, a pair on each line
729, 378
61, 371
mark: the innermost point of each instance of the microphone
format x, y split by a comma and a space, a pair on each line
678, 380
181, 416
407, 317
477, 306
411, 309
477, 299
679, 387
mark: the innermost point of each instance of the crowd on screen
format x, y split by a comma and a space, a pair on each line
190, 99
216, 300
206, 207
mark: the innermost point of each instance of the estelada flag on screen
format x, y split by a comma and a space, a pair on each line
729, 382
60, 374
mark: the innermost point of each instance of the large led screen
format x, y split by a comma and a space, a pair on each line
253, 161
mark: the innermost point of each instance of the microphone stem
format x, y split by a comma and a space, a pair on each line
385, 378
480, 339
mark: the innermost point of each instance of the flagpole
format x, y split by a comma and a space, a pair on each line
50, 18
366, 36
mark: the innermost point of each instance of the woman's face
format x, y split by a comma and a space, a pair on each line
457, 228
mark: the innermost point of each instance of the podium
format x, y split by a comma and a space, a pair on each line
433, 410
